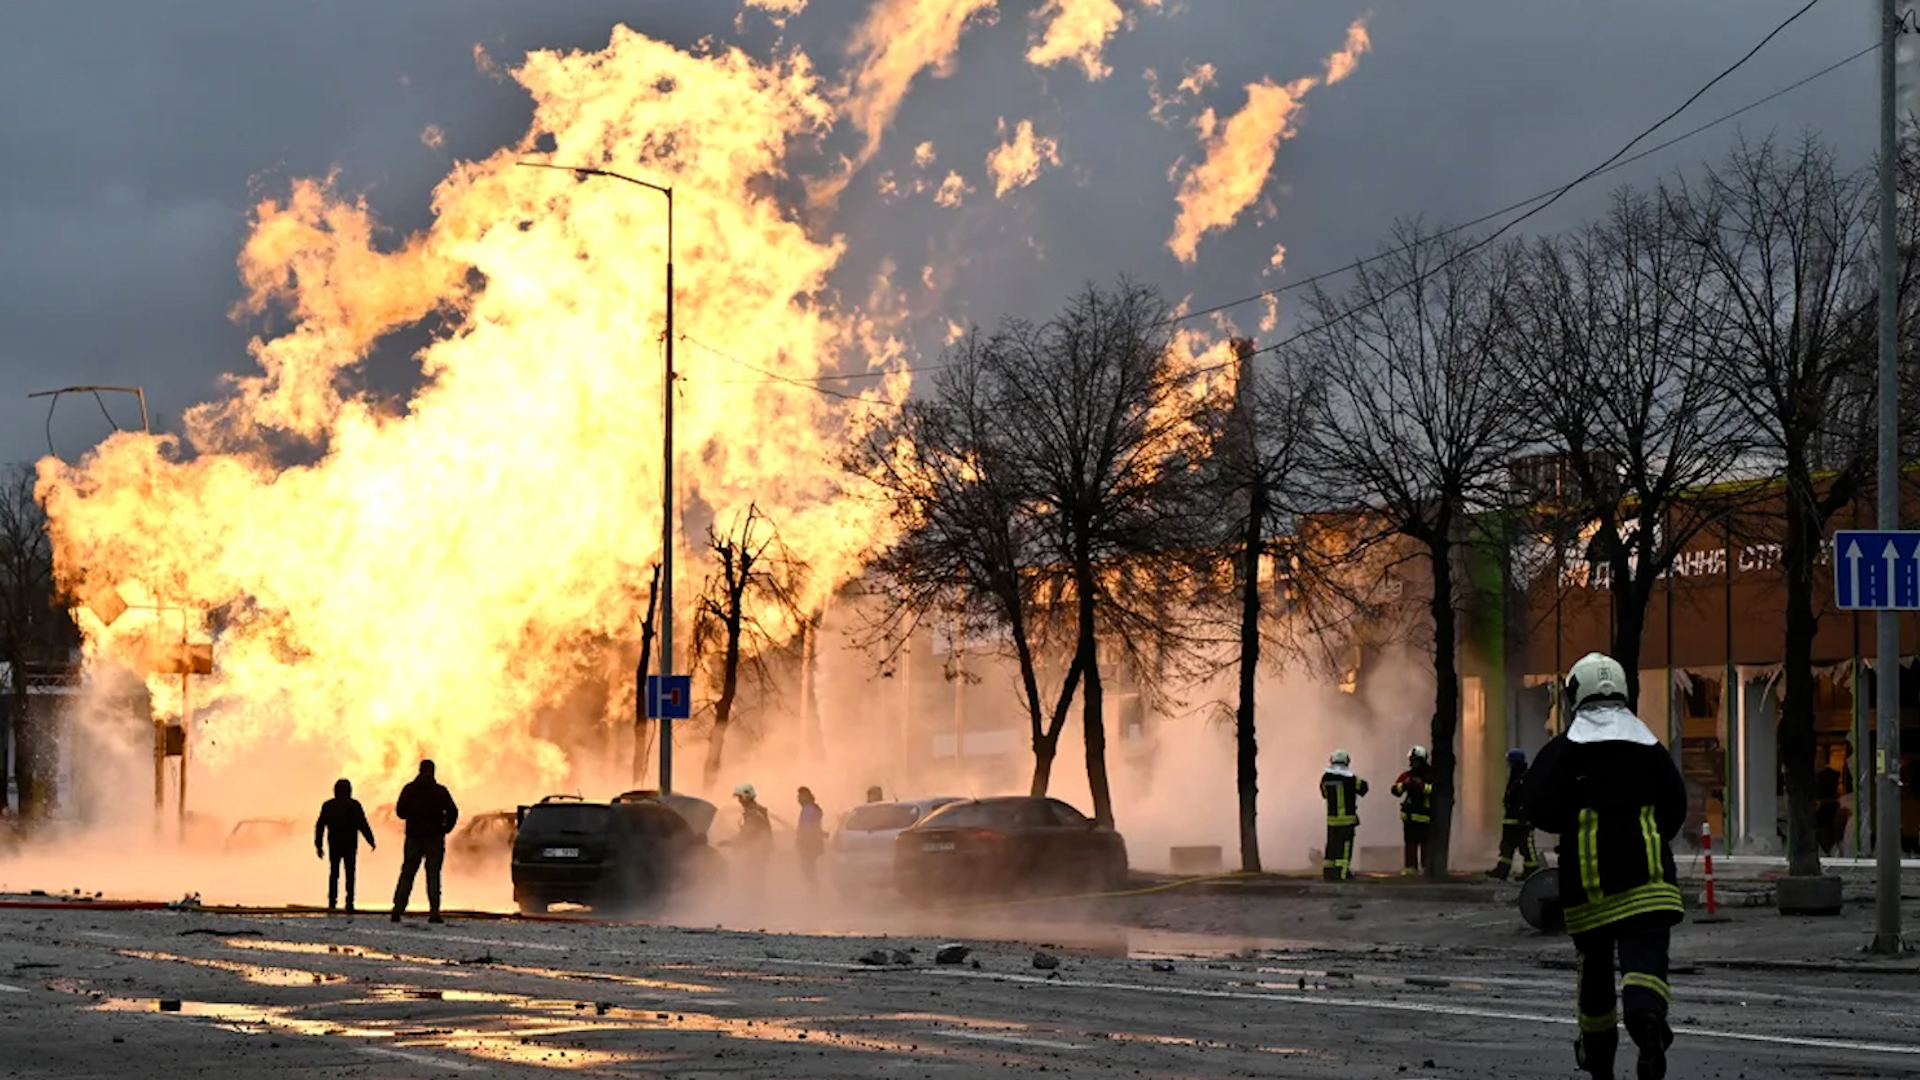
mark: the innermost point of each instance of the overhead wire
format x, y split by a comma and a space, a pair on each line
1481, 244
1620, 159
1524, 203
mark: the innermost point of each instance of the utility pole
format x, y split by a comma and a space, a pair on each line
666, 472
1886, 938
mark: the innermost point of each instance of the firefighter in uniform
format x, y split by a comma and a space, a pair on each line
1342, 791
1612, 794
1516, 832
1415, 790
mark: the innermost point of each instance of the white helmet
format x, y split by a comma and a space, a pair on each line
1420, 752
1596, 675
744, 791
1340, 758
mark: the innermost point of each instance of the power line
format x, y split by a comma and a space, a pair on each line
774, 376
1504, 229
1524, 203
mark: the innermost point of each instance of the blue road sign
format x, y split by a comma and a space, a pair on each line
1876, 571
669, 697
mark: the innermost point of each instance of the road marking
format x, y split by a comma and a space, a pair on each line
1017, 1040
419, 1059
470, 940
5, 989
1427, 1008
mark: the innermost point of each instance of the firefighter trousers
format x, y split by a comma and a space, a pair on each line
1641, 943
1339, 859
1517, 836
1414, 834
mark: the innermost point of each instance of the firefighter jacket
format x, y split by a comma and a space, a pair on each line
1613, 795
1516, 802
1415, 788
1342, 790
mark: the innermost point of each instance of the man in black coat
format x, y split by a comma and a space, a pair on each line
342, 823
1616, 800
429, 813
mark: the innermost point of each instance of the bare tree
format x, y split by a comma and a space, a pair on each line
1787, 237
967, 541
750, 595
1416, 428
33, 627
1611, 340
1066, 445
1254, 476
1101, 421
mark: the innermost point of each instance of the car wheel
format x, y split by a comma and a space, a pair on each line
529, 904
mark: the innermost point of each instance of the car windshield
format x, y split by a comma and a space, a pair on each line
881, 817
565, 817
975, 815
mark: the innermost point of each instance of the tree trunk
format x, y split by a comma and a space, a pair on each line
1795, 739
1046, 740
1446, 701
1092, 716
723, 708
642, 725
1629, 624
1246, 743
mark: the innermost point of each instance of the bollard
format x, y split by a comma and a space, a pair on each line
1706, 850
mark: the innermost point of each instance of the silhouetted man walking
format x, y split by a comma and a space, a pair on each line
342, 822
428, 810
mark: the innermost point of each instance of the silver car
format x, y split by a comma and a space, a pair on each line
860, 854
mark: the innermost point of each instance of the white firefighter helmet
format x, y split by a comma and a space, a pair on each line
1420, 752
1596, 675
1340, 758
744, 791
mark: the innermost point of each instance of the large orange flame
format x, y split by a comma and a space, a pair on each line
428, 577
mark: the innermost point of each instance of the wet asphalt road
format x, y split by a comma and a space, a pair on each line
82, 993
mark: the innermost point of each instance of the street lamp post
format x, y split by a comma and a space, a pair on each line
666, 468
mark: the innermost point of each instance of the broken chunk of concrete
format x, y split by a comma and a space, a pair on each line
951, 954
1045, 961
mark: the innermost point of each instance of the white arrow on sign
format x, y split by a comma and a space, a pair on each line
1853, 569
1892, 556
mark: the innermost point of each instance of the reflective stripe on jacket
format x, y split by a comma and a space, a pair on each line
1342, 792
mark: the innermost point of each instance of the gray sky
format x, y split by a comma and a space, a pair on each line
137, 133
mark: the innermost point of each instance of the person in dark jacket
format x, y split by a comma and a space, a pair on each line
1342, 791
342, 822
429, 812
1414, 788
1516, 832
810, 839
1612, 794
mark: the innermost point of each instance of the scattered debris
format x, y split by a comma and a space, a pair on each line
600, 1007
1163, 965
170, 1005
1045, 961
954, 953
211, 931
30, 965
873, 958
483, 958
976, 965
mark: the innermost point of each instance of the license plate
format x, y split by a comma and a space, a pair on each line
560, 853
936, 847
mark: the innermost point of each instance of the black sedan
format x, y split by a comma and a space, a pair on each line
1004, 845
633, 852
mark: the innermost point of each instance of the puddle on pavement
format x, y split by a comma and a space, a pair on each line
519, 1034
358, 952
253, 973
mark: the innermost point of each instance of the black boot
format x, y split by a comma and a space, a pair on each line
1500, 871
1594, 1051
1651, 1034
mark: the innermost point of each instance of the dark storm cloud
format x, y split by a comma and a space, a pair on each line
137, 133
